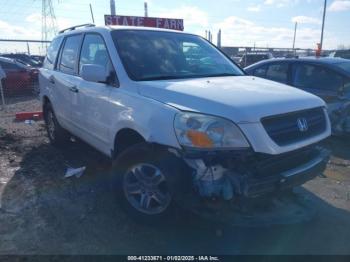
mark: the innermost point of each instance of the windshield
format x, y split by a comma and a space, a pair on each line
152, 55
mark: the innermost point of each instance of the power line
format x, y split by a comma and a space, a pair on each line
48, 21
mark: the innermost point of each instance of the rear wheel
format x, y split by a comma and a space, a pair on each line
58, 136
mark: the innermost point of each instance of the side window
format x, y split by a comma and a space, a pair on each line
278, 72
52, 51
94, 51
9, 66
69, 54
260, 71
316, 77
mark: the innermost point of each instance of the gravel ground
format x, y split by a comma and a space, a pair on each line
41, 212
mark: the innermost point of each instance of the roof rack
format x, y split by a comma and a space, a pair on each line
75, 27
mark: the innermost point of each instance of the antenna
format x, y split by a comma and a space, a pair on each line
48, 22
92, 15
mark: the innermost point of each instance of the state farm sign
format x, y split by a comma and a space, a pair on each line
167, 23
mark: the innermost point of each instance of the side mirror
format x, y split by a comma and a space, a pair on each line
94, 73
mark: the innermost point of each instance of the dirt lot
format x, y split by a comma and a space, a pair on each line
41, 212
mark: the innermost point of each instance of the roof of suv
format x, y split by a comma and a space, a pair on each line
92, 28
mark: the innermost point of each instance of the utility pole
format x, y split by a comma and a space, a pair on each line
295, 34
28, 49
219, 39
146, 9
323, 22
112, 7
92, 15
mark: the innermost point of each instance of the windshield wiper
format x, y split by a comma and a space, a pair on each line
166, 77
218, 75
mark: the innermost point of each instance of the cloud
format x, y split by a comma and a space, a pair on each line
242, 32
12, 32
254, 8
280, 3
34, 18
192, 15
339, 5
306, 20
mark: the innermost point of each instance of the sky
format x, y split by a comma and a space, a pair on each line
263, 23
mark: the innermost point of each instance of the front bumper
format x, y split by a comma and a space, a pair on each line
290, 178
251, 174
258, 183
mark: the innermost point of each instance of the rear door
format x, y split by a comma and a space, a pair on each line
65, 80
317, 79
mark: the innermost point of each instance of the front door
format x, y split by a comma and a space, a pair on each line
91, 107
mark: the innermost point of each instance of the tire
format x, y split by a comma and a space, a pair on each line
58, 136
148, 182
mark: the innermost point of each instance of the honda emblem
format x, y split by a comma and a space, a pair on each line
302, 124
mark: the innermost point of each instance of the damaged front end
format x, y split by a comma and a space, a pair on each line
247, 174
228, 174
237, 182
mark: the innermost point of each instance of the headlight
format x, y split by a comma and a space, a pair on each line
203, 131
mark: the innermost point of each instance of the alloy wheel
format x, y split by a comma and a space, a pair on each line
146, 189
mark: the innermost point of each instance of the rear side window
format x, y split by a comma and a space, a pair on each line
316, 77
69, 54
260, 72
278, 72
52, 52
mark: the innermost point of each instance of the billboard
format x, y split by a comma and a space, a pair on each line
158, 22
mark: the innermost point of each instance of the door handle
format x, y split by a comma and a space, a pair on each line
74, 89
52, 79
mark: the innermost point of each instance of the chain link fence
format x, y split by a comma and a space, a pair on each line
20, 62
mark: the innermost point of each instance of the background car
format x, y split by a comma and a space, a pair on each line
341, 53
251, 58
39, 58
328, 78
24, 59
20, 78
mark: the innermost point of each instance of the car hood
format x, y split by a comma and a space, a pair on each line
240, 98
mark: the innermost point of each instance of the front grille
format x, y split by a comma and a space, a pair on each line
284, 129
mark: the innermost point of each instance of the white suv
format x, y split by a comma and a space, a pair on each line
181, 121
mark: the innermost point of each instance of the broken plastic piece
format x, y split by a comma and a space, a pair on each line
77, 172
29, 122
22, 116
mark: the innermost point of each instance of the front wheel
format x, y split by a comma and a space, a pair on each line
148, 182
